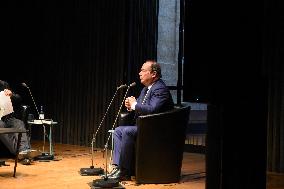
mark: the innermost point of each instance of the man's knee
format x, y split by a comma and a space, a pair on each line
19, 124
131, 131
2, 124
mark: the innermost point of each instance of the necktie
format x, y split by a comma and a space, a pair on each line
144, 98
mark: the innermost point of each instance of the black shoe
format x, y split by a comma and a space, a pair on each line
120, 175
113, 171
26, 161
28, 154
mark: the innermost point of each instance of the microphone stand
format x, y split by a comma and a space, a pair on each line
92, 170
44, 155
107, 182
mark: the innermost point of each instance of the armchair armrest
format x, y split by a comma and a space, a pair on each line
126, 118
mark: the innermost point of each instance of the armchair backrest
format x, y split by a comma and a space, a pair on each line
160, 144
24, 113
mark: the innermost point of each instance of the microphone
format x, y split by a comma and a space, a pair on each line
132, 84
26, 86
92, 170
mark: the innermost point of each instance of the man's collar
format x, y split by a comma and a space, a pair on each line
149, 87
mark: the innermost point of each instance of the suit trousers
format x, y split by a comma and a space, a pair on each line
10, 140
124, 145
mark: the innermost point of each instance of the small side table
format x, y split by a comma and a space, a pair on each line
14, 130
45, 122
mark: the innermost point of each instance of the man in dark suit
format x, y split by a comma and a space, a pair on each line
155, 97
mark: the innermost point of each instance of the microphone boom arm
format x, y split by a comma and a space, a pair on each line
25, 85
95, 135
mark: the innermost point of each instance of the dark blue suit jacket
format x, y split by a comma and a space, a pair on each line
158, 99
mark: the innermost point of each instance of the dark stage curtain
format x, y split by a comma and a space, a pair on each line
82, 50
275, 137
274, 56
142, 36
73, 54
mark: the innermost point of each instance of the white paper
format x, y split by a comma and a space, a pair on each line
6, 106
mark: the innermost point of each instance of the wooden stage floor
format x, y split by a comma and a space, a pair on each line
63, 172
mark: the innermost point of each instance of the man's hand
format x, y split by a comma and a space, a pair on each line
129, 101
7, 92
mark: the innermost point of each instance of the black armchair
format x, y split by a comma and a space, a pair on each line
160, 144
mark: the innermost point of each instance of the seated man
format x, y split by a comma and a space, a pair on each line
155, 97
10, 121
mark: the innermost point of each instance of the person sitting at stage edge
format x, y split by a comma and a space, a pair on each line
155, 97
10, 121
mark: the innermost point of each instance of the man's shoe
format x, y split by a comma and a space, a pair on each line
26, 161
120, 175
28, 154
34, 153
113, 171
23, 154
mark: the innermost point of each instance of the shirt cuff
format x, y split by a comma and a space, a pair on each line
133, 106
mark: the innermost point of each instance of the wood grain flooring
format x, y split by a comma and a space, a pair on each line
63, 172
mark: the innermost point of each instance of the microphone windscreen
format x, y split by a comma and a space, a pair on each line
132, 84
24, 85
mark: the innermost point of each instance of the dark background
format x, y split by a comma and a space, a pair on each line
73, 54
225, 67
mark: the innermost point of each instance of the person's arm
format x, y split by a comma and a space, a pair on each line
16, 99
159, 99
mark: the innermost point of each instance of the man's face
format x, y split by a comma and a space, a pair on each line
146, 75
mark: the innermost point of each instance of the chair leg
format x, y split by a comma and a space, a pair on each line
17, 153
